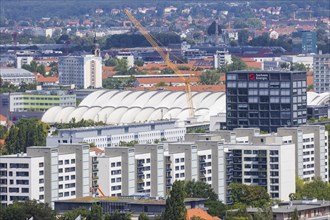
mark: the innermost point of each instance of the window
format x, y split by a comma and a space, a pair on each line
41, 180
25, 190
73, 161
67, 162
41, 172
41, 189
41, 164
41, 197
66, 194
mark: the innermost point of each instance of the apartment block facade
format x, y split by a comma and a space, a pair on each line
266, 99
46, 174
82, 71
321, 64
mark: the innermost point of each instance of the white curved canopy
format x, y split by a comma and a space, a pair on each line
121, 107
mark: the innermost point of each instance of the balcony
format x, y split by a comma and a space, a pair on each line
95, 177
140, 164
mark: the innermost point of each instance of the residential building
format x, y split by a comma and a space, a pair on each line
40, 101
83, 71
126, 56
270, 164
308, 42
46, 174
23, 58
321, 64
17, 76
266, 99
110, 136
222, 58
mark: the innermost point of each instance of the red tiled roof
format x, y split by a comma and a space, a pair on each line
200, 213
3, 118
165, 80
197, 88
107, 71
42, 79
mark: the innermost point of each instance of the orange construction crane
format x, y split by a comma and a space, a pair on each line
102, 193
165, 58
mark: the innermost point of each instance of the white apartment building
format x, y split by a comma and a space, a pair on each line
311, 143
321, 69
82, 71
128, 57
46, 174
243, 155
111, 136
222, 58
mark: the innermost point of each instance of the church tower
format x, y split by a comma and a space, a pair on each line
96, 48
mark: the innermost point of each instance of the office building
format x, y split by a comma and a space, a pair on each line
321, 65
40, 101
83, 71
46, 174
17, 76
266, 99
134, 205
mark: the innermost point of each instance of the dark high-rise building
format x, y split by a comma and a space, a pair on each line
266, 99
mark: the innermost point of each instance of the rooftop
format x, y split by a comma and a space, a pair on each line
300, 205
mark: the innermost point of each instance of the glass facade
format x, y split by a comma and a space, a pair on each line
266, 99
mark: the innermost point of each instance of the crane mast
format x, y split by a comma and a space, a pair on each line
166, 59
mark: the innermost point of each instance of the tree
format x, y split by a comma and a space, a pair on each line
3, 131
96, 212
315, 189
237, 64
240, 214
243, 37
209, 78
72, 215
294, 215
139, 62
121, 65
111, 62
167, 71
255, 196
264, 213
143, 216
26, 210
161, 84
298, 67
26, 132
175, 207
200, 189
